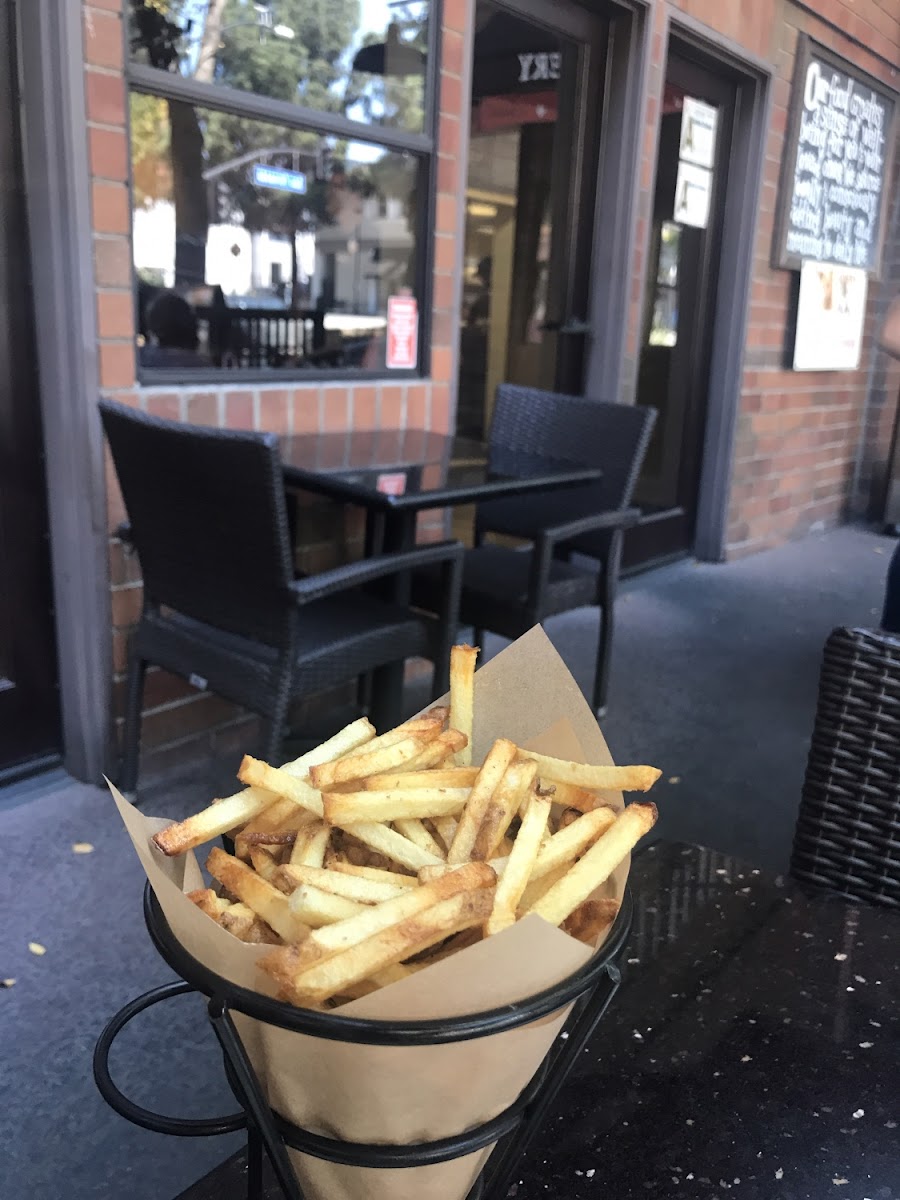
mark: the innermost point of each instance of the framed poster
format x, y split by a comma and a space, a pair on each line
833, 197
830, 316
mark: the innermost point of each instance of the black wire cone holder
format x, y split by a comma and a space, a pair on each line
590, 990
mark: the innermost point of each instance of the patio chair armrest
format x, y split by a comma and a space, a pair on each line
547, 539
368, 570
619, 518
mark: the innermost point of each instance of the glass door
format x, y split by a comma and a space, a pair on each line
679, 307
537, 86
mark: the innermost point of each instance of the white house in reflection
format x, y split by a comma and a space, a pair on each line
347, 269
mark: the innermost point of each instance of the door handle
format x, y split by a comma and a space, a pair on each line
573, 327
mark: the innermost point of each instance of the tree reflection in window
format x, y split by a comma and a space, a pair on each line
359, 198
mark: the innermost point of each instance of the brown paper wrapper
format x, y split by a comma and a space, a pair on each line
396, 1094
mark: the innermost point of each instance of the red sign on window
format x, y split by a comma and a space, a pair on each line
402, 333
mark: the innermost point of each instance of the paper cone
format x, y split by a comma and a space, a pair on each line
397, 1094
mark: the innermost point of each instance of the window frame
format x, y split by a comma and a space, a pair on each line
167, 85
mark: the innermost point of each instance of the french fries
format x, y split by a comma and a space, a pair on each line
353, 887
499, 757
462, 697
213, 821
515, 878
259, 895
343, 808
597, 865
374, 873
384, 949
374, 856
582, 775
502, 807
371, 762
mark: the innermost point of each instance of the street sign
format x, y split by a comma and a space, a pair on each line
279, 179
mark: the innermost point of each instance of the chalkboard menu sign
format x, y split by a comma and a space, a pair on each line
837, 164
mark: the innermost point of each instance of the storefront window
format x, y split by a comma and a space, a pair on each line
366, 61
267, 235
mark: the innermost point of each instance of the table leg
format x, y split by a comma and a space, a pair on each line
399, 534
254, 1164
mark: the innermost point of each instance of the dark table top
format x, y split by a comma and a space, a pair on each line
407, 470
751, 1052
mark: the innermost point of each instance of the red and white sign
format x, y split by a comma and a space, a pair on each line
402, 333
391, 483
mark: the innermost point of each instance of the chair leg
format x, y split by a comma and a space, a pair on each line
601, 673
270, 742
607, 603
273, 729
131, 734
387, 697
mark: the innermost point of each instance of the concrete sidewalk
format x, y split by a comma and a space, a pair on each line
714, 680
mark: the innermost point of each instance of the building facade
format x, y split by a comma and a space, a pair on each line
613, 198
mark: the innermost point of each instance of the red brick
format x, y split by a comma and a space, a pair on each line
111, 208
449, 135
103, 39
335, 416
275, 410
451, 94
444, 294
441, 363
116, 365
160, 688
447, 214
239, 410
391, 408
119, 650
444, 253
416, 407
202, 408
455, 14
452, 52
447, 173
164, 404
440, 407
306, 410
365, 408
110, 5
126, 605
112, 262
115, 315
186, 718
105, 98
123, 567
108, 151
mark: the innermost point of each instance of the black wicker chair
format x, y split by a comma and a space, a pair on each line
847, 837
207, 517
508, 591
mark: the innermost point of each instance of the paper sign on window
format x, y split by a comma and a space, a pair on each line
402, 333
830, 316
692, 192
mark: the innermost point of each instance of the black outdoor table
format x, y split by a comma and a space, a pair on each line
394, 474
751, 1051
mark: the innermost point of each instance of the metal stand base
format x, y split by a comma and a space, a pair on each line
590, 990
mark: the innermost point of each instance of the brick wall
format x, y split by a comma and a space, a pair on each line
797, 434
175, 713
